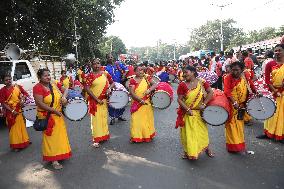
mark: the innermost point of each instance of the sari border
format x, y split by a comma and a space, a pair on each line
57, 157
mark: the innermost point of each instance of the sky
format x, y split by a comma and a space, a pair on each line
143, 22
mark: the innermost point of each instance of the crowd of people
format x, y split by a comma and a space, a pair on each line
234, 74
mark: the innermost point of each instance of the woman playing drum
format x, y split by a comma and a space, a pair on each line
11, 98
97, 86
142, 116
274, 78
66, 81
192, 100
55, 143
236, 89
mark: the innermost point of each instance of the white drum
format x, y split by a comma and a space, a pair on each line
172, 77
119, 98
261, 108
156, 79
163, 96
77, 107
29, 111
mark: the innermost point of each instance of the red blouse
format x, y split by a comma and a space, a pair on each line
91, 77
39, 89
230, 83
183, 89
5, 93
268, 69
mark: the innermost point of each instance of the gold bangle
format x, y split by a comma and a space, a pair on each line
188, 110
13, 111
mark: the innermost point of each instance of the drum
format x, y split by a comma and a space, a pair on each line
172, 77
119, 97
210, 77
163, 96
29, 109
217, 110
155, 79
261, 108
77, 107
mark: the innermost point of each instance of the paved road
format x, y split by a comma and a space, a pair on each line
156, 165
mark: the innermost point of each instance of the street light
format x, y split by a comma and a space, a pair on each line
221, 35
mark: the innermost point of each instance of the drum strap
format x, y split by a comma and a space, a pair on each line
52, 100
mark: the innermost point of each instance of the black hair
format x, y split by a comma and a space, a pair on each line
245, 53
221, 53
63, 71
108, 55
249, 50
269, 54
230, 53
238, 63
217, 58
192, 69
6, 74
212, 53
280, 45
41, 71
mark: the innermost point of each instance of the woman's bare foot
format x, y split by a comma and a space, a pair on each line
209, 153
96, 144
56, 165
184, 156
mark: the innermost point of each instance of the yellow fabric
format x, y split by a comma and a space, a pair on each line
234, 129
99, 121
58, 143
18, 133
142, 121
66, 83
79, 73
274, 126
194, 135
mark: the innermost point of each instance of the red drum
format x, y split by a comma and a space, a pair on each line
163, 96
261, 108
217, 110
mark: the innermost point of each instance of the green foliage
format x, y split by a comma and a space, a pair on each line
111, 44
48, 25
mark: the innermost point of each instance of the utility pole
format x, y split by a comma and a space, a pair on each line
76, 40
174, 49
221, 20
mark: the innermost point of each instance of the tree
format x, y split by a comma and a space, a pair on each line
48, 25
208, 36
111, 44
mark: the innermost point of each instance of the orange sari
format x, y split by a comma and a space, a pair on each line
99, 84
194, 131
55, 142
142, 116
234, 128
18, 134
274, 126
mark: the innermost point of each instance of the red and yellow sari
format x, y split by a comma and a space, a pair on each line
18, 135
55, 143
194, 131
274, 126
99, 83
234, 128
142, 116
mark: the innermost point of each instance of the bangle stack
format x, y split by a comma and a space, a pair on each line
13, 111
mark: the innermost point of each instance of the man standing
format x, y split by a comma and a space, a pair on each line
118, 71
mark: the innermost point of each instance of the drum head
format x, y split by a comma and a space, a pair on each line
118, 99
215, 115
76, 109
261, 108
161, 100
29, 112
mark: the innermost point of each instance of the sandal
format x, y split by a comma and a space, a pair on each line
209, 153
96, 144
57, 165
